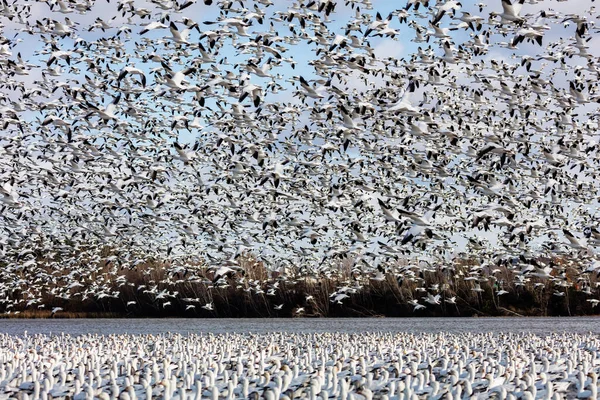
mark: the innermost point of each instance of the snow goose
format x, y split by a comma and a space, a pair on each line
132, 71
106, 114
180, 37
510, 13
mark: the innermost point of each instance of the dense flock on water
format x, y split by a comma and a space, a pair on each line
390, 139
293, 366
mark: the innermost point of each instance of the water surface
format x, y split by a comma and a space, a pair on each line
536, 325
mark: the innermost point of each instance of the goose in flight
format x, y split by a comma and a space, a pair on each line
151, 26
388, 213
416, 4
404, 105
417, 235
433, 300
417, 306
310, 91
175, 80
183, 154
239, 24
574, 242
380, 25
180, 37
531, 34
189, 3
448, 6
106, 114
132, 71
510, 12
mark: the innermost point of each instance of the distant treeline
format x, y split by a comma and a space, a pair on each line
464, 289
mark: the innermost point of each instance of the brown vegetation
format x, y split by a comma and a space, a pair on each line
255, 291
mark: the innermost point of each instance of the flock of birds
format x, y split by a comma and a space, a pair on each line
303, 134
293, 366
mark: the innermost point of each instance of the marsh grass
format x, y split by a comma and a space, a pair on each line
250, 292
29, 314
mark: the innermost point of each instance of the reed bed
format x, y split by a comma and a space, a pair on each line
256, 291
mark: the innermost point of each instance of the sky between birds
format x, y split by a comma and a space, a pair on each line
230, 183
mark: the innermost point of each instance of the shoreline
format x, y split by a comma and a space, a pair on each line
114, 315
